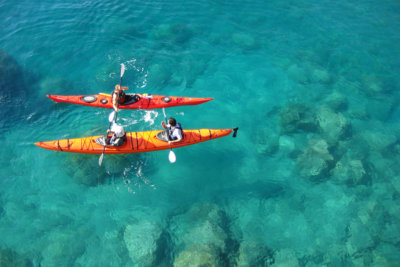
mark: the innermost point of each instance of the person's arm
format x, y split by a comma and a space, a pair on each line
175, 141
124, 88
163, 125
179, 138
114, 102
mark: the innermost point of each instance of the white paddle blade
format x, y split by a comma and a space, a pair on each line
101, 159
122, 69
163, 111
171, 156
111, 116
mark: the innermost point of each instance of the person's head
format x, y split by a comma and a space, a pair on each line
117, 87
172, 121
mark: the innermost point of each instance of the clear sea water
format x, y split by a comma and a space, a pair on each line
311, 180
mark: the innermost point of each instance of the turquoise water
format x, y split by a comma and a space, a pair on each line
311, 180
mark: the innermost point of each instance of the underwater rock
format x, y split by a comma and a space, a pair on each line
297, 117
336, 255
193, 67
386, 255
163, 31
198, 256
84, 169
285, 257
372, 85
176, 79
13, 90
202, 225
178, 33
266, 142
377, 140
316, 161
359, 238
286, 144
62, 248
320, 76
380, 109
336, 101
10, 78
244, 40
297, 74
158, 75
11, 258
141, 242
52, 85
334, 126
395, 182
349, 171
391, 232
252, 253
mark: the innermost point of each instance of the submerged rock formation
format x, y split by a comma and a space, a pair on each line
296, 117
201, 234
141, 242
11, 258
316, 161
253, 253
334, 126
349, 171
198, 256
13, 90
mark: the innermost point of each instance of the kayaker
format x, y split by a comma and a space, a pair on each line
174, 130
118, 96
118, 136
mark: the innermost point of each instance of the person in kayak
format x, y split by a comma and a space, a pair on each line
118, 136
118, 96
174, 130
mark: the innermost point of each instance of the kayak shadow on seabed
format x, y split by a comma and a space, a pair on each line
84, 169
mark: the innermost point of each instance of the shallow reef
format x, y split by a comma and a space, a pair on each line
11, 258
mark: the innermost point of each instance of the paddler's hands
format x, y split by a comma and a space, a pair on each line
163, 125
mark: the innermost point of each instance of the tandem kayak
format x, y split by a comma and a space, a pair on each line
132, 101
136, 142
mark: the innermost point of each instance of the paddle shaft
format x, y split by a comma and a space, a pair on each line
115, 117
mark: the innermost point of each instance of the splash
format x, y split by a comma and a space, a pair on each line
150, 116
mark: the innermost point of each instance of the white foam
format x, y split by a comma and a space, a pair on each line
150, 116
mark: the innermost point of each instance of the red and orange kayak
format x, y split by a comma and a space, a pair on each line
132, 101
136, 142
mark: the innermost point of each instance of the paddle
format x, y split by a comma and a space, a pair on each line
110, 119
113, 115
171, 155
120, 82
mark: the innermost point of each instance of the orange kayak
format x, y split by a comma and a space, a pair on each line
136, 142
132, 101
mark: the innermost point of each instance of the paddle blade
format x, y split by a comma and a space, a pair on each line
122, 69
101, 158
111, 116
235, 131
171, 156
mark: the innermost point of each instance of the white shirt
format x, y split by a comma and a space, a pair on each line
118, 130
